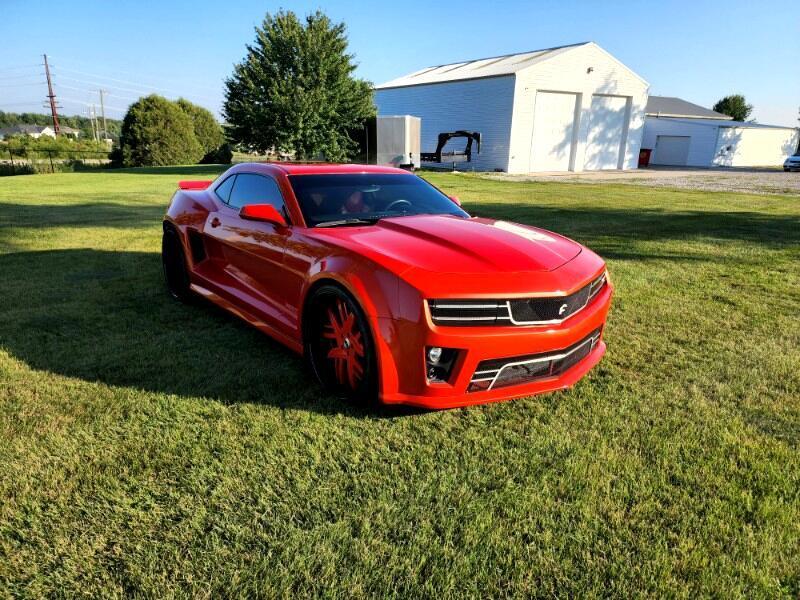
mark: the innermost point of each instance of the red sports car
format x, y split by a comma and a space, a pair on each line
386, 285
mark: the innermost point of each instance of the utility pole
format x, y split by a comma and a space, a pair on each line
103, 113
90, 112
51, 96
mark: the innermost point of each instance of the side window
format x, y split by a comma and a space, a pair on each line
255, 189
223, 190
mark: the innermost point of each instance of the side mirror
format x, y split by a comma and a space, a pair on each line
456, 200
262, 212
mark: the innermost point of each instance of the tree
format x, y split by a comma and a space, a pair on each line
734, 106
295, 90
157, 132
206, 129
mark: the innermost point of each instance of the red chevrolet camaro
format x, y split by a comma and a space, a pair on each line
386, 285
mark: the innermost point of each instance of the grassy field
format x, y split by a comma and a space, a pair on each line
153, 449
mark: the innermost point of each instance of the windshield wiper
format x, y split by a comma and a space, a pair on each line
346, 222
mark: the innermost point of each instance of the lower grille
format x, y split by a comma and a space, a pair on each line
504, 372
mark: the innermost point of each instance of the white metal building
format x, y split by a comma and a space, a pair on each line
561, 109
684, 134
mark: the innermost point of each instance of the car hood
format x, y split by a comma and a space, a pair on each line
449, 244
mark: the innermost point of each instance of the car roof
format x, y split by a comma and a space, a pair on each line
297, 168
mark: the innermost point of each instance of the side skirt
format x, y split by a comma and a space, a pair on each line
259, 324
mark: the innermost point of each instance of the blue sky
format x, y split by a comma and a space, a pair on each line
698, 50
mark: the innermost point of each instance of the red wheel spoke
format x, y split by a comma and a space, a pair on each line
346, 347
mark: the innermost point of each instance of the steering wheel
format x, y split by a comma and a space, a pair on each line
398, 201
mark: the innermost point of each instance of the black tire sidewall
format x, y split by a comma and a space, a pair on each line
367, 391
173, 260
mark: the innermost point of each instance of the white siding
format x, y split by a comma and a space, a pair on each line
483, 105
748, 147
586, 71
716, 145
701, 147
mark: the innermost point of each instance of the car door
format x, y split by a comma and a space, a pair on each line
251, 252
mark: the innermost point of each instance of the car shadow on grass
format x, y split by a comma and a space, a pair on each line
105, 317
84, 214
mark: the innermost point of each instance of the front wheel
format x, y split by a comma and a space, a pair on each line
339, 346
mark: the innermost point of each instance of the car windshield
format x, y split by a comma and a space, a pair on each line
363, 198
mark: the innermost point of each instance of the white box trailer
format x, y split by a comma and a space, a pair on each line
397, 140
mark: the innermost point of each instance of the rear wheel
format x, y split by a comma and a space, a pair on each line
173, 259
339, 346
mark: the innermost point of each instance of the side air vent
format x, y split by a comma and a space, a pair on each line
196, 245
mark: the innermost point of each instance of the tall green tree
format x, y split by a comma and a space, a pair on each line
295, 90
734, 106
206, 129
157, 132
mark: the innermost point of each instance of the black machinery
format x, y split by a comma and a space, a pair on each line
454, 155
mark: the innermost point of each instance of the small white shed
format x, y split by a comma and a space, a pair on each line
561, 109
717, 143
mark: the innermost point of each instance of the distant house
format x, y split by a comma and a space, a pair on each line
680, 133
35, 131
69, 131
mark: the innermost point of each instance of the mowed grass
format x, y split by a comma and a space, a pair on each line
153, 449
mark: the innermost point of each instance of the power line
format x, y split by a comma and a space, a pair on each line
23, 76
16, 85
75, 101
140, 92
89, 91
18, 67
128, 81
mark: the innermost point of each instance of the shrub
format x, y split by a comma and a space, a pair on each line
219, 156
206, 129
156, 132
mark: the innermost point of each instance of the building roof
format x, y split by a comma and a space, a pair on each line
67, 129
493, 66
669, 106
729, 123
24, 128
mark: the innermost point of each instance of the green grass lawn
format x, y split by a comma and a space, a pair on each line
153, 449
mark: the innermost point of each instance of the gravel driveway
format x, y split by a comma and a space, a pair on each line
754, 181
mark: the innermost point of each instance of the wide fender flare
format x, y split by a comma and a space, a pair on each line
376, 290
373, 287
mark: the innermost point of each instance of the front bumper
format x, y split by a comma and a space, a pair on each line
402, 356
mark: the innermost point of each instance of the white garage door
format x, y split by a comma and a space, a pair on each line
607, 117
553, 129
671, 150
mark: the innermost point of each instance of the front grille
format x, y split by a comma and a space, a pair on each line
527, 311
504, 372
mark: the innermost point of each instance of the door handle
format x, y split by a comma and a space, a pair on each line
215, 222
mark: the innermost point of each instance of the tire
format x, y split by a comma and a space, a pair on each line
339, 346
173, 260
785, 169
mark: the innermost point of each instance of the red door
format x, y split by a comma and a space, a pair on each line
250, 253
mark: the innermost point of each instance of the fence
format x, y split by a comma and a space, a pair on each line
19, 161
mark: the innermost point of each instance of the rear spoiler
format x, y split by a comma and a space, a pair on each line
195, 185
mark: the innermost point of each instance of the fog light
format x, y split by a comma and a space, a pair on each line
434, 354
439, 363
